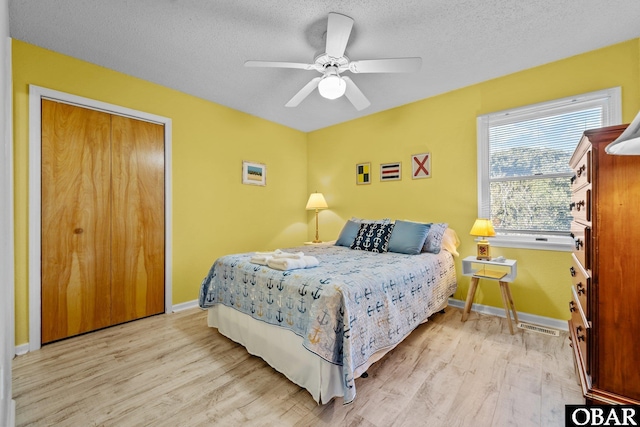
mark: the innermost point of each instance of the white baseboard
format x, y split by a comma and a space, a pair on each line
523, 317
480, 308
22, 349
185, 305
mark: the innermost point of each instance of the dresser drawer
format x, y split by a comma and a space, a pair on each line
581, 364
581, 282
579, 333
581, 235
581, 171
580, 206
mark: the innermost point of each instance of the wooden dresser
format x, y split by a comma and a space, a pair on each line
605, 306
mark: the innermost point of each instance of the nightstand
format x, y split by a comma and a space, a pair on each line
327, 243
503, 272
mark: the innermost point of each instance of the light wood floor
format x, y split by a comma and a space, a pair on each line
172, 370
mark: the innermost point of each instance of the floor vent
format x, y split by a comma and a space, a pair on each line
539, 329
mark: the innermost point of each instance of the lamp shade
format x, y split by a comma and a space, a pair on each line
482, 228
316, 201
332, 86
628, 143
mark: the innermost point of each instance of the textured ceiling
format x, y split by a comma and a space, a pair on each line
199, 46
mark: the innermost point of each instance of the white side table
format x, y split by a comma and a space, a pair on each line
503, 272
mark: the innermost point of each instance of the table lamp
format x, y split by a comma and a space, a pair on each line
316, 201
483, 228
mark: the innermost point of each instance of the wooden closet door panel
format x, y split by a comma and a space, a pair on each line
75, 220
137, 288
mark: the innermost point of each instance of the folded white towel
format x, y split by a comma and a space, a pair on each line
293, 263
260, 259
277, 251
291, 255
311, 261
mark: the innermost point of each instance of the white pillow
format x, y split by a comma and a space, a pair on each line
450, 241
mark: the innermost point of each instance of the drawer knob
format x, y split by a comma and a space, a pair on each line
78, 231
572, 271
579, 243
572, 306
581, 170
580, 205
573, 179
580, 288
578, 334
572, 205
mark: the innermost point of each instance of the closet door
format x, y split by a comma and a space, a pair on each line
76, 231
137, 260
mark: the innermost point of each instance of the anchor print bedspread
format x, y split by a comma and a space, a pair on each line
347, 308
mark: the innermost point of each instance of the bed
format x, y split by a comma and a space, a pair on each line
323, 327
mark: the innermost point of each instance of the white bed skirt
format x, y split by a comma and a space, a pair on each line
283, 350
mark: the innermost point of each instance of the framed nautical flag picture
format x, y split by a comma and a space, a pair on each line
421, 166
363, 173
391, 171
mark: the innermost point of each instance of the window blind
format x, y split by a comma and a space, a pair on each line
529, 173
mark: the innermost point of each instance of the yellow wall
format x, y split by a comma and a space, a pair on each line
445, 125
213, 213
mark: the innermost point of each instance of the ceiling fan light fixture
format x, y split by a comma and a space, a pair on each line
332, 86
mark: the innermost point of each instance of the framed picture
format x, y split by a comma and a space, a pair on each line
391, 171
363, 173
254, 173
421, 166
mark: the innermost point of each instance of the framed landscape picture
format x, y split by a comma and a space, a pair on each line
363, 173
254, 173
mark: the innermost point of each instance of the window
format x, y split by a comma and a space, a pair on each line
523, 166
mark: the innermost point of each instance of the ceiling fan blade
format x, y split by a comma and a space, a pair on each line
338, 31
303, 93
354, 95
391, 65
277, 64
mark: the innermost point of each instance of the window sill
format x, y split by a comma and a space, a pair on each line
550, 243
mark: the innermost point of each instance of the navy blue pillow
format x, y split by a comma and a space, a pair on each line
408, 237
373, 237
348, 234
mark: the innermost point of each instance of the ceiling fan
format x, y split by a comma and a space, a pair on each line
333, 63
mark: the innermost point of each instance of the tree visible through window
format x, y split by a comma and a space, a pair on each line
523, 162
529, 175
